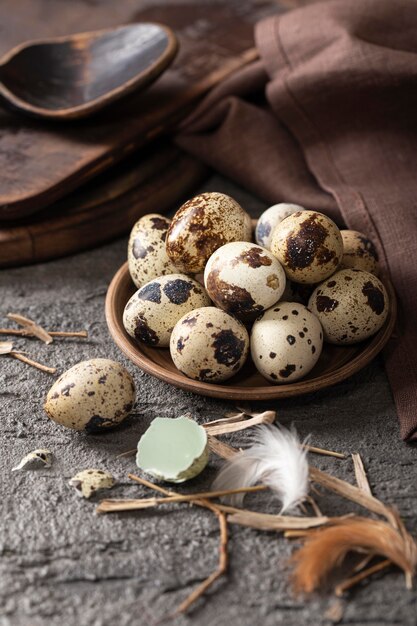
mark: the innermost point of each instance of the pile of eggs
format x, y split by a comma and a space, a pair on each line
213, 296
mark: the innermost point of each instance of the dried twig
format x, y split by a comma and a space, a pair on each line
266, 521
31, 326
6, 347
268, 417
322, 451
223, 450
113, 505
314, 506
350, 492
23, 332
21, 357
360, 474
354, 580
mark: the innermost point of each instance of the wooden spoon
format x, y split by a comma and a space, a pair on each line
74, 76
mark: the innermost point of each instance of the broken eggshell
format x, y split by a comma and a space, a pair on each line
92, 396
89, 481
174, 450
37, 459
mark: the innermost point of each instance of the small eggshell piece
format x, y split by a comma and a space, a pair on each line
202, 225
152, 312
358, 252
244, 279
270, 218
146, 251
174, 450
309, 246
209, 345
37, 459
351, 305
286, 342
89, 481
92, 396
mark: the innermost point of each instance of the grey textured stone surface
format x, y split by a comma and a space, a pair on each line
61, 564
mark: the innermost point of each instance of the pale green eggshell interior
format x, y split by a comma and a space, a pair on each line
174, 450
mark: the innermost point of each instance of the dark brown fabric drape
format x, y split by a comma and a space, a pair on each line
327, 118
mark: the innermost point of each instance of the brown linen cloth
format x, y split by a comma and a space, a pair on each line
337, 132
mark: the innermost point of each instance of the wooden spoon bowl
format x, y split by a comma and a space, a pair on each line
335, 364
74, 76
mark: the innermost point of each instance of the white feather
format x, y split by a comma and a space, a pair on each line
276, 459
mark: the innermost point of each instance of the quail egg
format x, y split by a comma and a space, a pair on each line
286, 342
244, 279
92, 396
308, 245
209, 345
152, 312
358, 252
146, 251
89, 481
351, 306
269, 220
202, 225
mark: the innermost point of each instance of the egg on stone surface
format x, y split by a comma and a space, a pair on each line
309, 246
358, 252
89, 481
202, 225
352, 305
209, 345
270, 219
146, 251
286, 342
244, 279
93, 395
152, 312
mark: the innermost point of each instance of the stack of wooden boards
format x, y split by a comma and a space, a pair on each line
69, 186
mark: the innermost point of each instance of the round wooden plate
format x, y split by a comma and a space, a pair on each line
335, 364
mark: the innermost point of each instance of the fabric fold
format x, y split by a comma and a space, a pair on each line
328, 119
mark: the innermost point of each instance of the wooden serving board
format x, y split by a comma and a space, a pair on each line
41, 161
154, 180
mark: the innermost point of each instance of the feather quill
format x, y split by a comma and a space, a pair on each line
276, 459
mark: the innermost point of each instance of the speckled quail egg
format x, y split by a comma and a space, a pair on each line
152, 312
146, 252
89, 481
309, 246
209, 345
359, 252
286, 342
270, 219
202, 225
351, 306
244, 279
92, 396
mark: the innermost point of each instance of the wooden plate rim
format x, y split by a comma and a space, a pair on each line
228, 391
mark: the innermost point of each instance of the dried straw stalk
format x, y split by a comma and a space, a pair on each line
360, 474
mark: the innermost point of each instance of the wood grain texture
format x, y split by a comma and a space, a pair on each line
41, 162
335, 364
71, 77
104, 209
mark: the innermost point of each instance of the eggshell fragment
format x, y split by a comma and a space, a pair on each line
209, 345
174, 450
37, 459
92, 396
270, 218
244, 279
286, 342
89, 481
308, 245
352, 305
146, 252
152, 312
202, 225
358, 252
